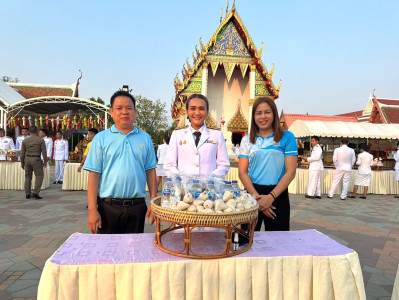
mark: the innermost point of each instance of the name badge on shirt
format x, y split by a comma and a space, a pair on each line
210, 141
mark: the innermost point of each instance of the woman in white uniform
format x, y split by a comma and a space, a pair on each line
161, 154
196, 149
396, 158
363, 178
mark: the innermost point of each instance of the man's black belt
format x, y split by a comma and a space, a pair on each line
124, 202
32, 155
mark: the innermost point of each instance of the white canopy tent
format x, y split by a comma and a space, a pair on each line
303, 129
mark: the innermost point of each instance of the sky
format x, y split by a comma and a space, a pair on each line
330, 55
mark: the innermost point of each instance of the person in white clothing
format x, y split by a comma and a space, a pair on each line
161, 154
363, 178
48, 141
61, 154
315, 167
396, 158
6, 143
197, 149
344, 158
18, 141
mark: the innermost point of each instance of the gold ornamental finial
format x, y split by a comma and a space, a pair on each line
261, 50
184, 72
279, 86
189, 68
197, 52
234, 6
203, 49
194, 59
271, 72
227, 7
221, 16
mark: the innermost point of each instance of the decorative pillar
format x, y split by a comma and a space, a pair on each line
204, 88
1, 118
5, 122
251, 93
106, 120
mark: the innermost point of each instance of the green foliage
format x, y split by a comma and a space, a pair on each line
151, 117
9, 79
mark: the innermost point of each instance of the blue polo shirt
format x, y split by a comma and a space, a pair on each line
122, 160
267, 158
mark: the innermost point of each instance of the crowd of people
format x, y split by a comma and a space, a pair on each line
121, 161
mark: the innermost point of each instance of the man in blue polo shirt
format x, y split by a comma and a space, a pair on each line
120, 161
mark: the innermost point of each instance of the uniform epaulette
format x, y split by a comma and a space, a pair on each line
183, 127
214, 128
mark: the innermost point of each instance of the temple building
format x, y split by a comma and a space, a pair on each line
229, 71
378, 111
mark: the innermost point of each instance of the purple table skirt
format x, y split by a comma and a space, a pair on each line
84, 249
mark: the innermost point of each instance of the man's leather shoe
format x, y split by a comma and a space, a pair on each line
309, 197
28, 196
55, 182
343, 198
329, 197
60, 182
352, 197
36, 196
317, 197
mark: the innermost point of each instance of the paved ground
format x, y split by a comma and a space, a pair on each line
31, 230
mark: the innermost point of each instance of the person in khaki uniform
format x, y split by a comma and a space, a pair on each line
31, 151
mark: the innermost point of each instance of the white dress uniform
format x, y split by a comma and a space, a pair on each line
208, 158
49, 146
161, 154
396, 158
6, 144
343, 158
60, 155
365, 161
18, 142
315, 167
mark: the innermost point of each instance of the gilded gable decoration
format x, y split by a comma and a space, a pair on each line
210, 122
238, 122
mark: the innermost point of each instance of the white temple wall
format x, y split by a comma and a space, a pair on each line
223, 99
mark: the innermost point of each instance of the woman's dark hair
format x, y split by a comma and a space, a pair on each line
344, 141
364, 147
199, 96
277, 129
93, 130
44, 131
124, 94
167, 139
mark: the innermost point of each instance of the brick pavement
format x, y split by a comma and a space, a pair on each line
31, 230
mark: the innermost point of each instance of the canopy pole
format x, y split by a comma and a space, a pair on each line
5, 122
106, 121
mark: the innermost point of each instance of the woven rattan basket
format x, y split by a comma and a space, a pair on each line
189, 220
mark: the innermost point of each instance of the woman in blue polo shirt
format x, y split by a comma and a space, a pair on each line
267, 165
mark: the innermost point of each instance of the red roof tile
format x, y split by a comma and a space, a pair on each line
388, 102
355, 114
391, 114
291, 118
42, 90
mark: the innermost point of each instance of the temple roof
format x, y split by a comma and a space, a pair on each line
243, 52
385, 111
28, 90
286, 120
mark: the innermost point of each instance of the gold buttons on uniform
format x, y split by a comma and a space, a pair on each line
197, 166
196, 153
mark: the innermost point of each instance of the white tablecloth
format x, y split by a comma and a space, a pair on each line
281, 265
395, 292
382, 182
12, 177
74, 180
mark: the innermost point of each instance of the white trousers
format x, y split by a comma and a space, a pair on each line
314, 188
338, 175
59, 170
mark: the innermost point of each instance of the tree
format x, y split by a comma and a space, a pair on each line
9, 79
151, 117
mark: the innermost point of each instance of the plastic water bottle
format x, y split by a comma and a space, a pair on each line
167, 193
228, 186
211, 190
236, 189
196, 189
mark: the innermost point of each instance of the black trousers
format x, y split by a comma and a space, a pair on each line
116, 218
282, 204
